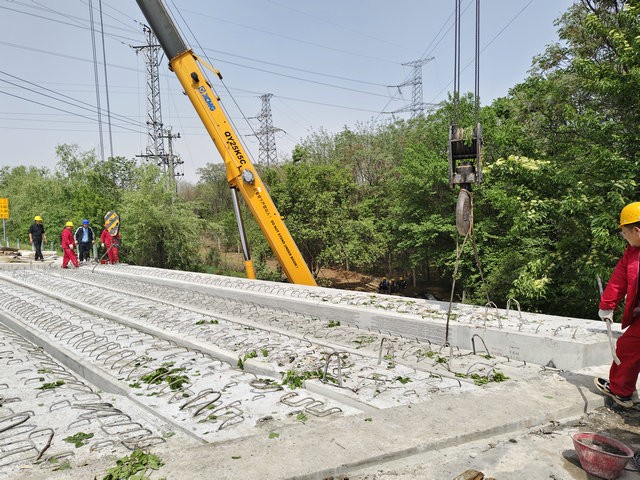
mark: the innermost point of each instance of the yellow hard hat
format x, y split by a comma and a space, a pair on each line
630, 214
68, 224
38, 218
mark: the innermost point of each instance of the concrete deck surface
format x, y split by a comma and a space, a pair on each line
490, 431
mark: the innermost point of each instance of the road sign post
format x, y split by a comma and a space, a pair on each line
4, 215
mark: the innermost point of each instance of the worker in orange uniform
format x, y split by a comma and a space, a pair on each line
68, 244
623, 374
111, 243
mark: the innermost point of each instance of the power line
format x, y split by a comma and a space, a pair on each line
62, 22
306, 80
96, 79
106, 80
322, 74
382, 40
62, 55
30, 100
333, 105
77, 103
224, 20
424, 55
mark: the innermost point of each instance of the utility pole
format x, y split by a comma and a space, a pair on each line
417, 106
155, 145
172, 161
265, 134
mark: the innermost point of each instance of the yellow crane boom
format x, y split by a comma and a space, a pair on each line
241, 174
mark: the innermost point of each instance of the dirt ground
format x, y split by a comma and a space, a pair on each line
347, 280
620, 423
543, 452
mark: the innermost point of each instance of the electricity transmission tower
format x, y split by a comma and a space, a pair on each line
155, 143
266, 133
417, 106
156, 133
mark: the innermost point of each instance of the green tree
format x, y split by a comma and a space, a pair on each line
158, 229
31, 191
315, 199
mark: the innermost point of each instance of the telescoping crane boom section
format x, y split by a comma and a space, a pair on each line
241, 174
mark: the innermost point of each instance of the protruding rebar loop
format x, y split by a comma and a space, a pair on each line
14, 420
380, 349
470, 368
105, 349
497, 313
231, 421
265, 385
17, 449
143, 442
323, 413
48, 434
378, 380
326, 366
173, 386
203, 394
128, 429
286, 399
517, 304
473, 344
118, 356
134, 363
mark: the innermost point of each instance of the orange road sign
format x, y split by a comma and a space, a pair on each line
4, 208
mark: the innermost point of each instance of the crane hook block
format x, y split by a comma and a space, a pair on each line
464, 218
465, 155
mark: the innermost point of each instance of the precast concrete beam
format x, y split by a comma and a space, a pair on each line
561, 342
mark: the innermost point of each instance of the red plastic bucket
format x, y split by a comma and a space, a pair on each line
600, 455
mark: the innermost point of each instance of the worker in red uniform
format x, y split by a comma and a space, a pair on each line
111, 243
624, 282
68, 245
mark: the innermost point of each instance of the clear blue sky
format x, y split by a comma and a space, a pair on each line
329, 64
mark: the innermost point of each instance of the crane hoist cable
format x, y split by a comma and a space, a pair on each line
465, 155
465, 143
